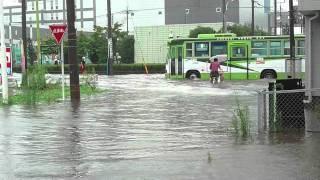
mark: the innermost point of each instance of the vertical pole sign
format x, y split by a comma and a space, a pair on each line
8, 62
58, 31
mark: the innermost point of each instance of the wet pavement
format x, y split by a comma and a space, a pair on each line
145, 127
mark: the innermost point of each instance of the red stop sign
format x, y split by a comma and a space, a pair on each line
58, 31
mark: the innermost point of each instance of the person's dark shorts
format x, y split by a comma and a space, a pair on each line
214, 74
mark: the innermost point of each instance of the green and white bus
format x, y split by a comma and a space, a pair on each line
251, 57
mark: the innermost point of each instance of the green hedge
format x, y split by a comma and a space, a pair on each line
102, 68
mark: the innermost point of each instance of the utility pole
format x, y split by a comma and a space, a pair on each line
72, 52
292, 42
5, 94
127, 19
224, 26
38, 31
252, 17
110, 44
275, 18
24, 35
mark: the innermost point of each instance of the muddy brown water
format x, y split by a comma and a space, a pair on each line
146, 127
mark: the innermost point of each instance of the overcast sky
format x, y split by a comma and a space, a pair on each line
142, 17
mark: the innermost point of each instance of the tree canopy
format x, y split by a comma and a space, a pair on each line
201, 30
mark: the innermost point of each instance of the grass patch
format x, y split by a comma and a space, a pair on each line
52, 93
241, 122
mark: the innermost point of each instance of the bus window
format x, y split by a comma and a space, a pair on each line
238, 52
188, 49
275, 48
286, 47
202, 49
300, 48
218, 48
259, 48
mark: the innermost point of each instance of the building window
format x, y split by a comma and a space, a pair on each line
202, 49
286, 48
189, 50
259, 48
301, 48
275, 48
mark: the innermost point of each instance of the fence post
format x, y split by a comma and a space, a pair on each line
260, 113
264, 101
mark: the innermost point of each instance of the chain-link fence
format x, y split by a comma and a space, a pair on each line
283, 110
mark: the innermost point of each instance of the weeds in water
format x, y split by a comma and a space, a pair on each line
241, 121
209, 158
33, 82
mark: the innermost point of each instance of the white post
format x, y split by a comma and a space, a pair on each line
62, 70
3, 60
31, 32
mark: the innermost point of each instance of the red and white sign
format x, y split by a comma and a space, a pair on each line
58, 31
9, 62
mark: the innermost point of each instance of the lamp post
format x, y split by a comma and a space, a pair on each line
186, 12
224, 10
280, 19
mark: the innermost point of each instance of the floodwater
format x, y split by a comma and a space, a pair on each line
145, 127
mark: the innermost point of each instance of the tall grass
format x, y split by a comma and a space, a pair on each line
32, 82
241, 120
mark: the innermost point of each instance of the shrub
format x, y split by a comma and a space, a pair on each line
102, 68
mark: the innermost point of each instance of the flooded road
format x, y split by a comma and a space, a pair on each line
145, 127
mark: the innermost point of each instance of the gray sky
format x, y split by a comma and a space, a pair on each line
140, 18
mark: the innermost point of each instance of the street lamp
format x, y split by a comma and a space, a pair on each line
280, 19
224, 10
186, 12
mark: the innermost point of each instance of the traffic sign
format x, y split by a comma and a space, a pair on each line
58, 31
8, 61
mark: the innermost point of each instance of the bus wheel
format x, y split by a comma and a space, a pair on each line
268, 74
193, 74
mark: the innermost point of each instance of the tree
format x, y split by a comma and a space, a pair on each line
49, 47
201, 30
98, 46
245, 30
83, 45
125, 47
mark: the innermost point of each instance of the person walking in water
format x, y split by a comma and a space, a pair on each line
214, 67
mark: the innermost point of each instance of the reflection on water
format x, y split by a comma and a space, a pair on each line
145, 127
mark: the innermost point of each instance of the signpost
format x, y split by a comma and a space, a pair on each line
8, 62
58, 31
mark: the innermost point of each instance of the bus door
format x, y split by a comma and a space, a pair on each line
239, 52
173, 62
180, 62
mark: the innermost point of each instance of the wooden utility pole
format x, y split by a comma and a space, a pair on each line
24, 33
224, 26
275, 18
292, 42
110, 43
252, 17
72, 52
